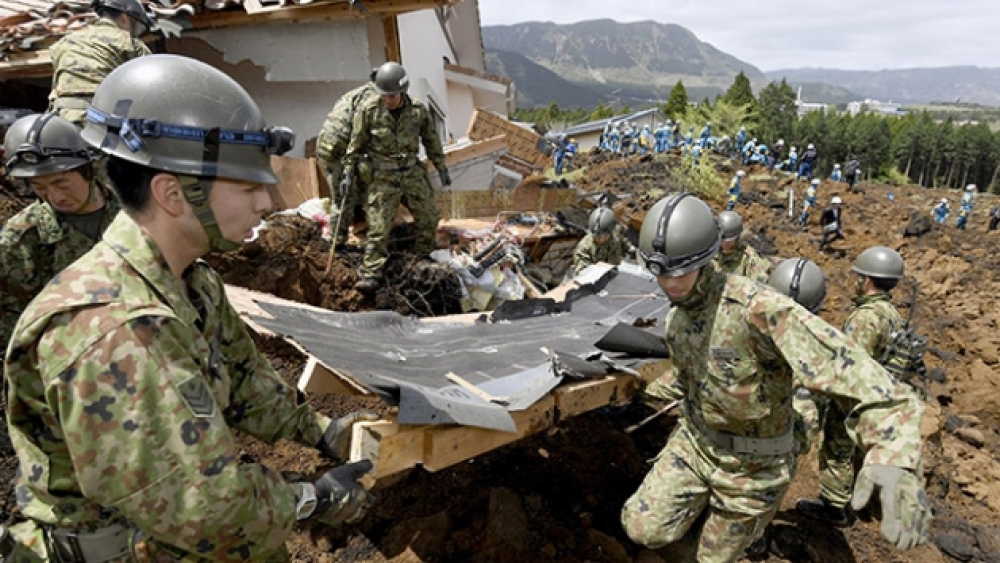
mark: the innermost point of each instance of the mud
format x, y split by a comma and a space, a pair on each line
557, 496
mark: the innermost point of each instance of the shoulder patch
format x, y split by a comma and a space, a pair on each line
197, 397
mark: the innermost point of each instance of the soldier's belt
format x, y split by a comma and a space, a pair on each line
105, 544
778, 445
394, 164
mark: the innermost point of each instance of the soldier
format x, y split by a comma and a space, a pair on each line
130, 372
803, 281
82, 59
331, 144
388, 131
739, 349
870, 325
736, 256
73, 210
604, 243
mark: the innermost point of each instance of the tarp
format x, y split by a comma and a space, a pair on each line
517, 355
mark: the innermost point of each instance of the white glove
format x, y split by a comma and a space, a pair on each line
906, 510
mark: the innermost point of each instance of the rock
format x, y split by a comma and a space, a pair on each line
507, 536
918, 226
988, 539
972, 436
953, 423
606, 548
938, 374
970, 420
422, 535
955, 546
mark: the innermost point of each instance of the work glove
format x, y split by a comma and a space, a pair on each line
336, 441
906, 510
444, 177
340, 499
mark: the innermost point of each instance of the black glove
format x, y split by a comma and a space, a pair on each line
344, 186
336, 440
340, 499
444, 177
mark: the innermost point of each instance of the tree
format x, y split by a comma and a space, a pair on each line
740, 93
677, 104
777, 113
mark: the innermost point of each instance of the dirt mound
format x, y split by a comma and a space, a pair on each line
557, 496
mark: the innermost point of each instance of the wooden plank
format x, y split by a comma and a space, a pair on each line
316, 11
520, 141
447, 446
390, 28
390, 447
578, 398
319, 379
653, 370
298, 181
26, 65
474, 150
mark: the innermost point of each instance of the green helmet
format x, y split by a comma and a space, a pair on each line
731, 224
391, 79
602, 221
879, 262
180, 115
678, 236
42, 144
802, 280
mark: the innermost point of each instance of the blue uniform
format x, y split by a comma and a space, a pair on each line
808, 204
941, 211
734, 193
835, 175
706, 132
968, 200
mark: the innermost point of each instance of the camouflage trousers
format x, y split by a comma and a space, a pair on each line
742, 493
387, 190
33, 546
836, 457
343, 207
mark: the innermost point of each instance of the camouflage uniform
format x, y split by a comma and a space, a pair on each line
588, 252
869, 325
738, 349
391, 141
82, 59
744, 261
126, 388
35, 245
331, 146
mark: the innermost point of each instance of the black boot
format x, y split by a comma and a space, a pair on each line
367, 285
819, 509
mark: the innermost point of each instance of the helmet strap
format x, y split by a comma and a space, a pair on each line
196, 193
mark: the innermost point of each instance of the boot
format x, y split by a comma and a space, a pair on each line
367, 285
820, 509
756, 550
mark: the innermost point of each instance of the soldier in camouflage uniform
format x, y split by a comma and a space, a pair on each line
739, 349
385, 140
82, 59
604, 243
330, 148
803, 281
130, 373
870, 325
73, 210
736, 256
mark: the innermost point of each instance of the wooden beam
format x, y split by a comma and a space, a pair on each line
390, 27
317, 11
32, 64
394, 448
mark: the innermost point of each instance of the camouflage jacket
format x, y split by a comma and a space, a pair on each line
388, 136
744, 261
588, 252
126, 387
82, 59
336, 132
871, 323
740, 348
35, 245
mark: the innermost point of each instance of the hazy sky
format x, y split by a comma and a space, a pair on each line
775, 34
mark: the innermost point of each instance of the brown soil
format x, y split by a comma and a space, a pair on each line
557, 496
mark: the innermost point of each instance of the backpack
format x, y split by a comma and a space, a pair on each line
851, 167
903, 357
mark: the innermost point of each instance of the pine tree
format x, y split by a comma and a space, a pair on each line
740, 93
678, 102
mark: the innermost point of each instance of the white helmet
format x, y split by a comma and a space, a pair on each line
815, 181
810, 147
835, 166
792, 149
741, 173
743, 128
944, 200
836, 200
754, 140
780, 142
970, 188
